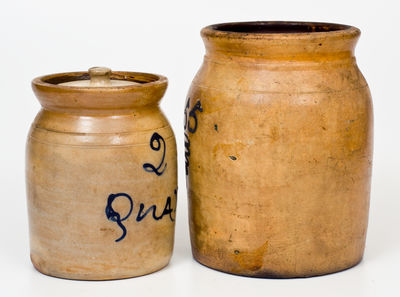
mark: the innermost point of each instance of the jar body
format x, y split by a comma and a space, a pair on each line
279, 165
96, 210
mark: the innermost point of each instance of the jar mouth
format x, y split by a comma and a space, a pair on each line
278, 40
109, 99
277, 29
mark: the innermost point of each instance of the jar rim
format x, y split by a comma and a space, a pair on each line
149, 90
143, 79
278, 30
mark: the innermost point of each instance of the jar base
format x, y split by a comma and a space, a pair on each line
265, 273
93, 276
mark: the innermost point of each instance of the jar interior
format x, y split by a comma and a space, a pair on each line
278, 27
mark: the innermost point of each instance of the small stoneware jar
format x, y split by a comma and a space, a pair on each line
101, 175
279, 150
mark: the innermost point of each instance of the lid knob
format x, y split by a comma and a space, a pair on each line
100, 76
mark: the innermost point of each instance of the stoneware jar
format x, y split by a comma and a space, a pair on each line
279, 150
101, 175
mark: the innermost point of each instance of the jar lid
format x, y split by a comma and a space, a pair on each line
98, 77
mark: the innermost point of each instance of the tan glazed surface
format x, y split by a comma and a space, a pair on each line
89, 177
279, 150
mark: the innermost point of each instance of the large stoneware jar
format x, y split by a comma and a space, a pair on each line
279, 150
101, 176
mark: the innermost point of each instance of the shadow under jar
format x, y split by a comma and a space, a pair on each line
278, 138
101, 176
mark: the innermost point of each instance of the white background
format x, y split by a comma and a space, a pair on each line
42, 37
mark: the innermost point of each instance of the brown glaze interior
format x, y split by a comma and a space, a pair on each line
278, 27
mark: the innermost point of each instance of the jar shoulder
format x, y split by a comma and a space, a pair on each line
123, 129
279, 76
252, 103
